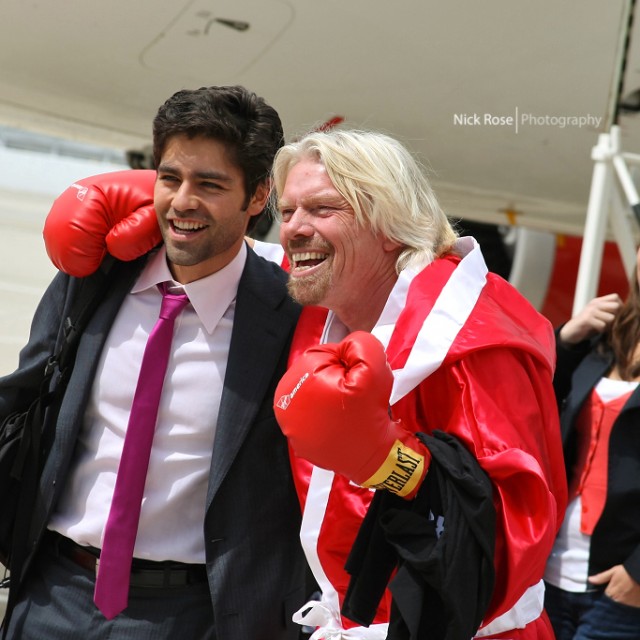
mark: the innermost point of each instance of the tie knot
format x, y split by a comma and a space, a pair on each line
172, 303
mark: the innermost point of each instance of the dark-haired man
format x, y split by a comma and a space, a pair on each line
216, 553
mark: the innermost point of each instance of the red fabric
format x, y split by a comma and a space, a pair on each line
516, 448
502, 317
347, 502
494, 392
308, 333
513, 435
593, 427
346, 509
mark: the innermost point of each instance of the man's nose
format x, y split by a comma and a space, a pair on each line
184, 198
299, 223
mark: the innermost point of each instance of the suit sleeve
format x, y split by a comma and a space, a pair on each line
567, 360
500, 403
19, 388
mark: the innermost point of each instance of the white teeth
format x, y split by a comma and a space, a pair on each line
309, 255
185, 225
301, 258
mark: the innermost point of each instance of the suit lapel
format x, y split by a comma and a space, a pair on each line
72, 409
88, 355
584, 379
261, 329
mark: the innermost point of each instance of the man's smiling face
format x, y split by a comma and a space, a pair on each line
334, 261
201, 204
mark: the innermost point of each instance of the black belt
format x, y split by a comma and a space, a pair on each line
144, 573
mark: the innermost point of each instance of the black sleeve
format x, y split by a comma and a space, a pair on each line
19, 388
441, 545
568, 357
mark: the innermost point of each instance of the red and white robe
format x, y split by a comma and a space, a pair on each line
471, 357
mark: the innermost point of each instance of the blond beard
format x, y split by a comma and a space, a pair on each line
311, 290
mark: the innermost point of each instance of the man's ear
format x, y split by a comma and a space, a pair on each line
391, 245
258, 200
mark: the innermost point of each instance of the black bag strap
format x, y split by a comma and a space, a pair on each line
91, 291
32, 454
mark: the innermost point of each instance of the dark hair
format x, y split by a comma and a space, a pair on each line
249, 128
624, 332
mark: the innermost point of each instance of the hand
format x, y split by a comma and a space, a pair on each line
595, 318
621, 586
333, 405
108, 212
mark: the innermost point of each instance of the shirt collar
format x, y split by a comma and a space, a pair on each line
210, 296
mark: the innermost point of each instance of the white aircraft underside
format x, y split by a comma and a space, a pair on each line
504, 100
478, 89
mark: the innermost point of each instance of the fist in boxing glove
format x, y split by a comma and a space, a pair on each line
109, 212
333, 406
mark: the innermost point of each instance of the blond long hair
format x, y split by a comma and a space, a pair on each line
383, 183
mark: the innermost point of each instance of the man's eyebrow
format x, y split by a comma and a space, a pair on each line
319, 198
202, 175
213, 175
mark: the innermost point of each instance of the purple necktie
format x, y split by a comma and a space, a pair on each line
114, 568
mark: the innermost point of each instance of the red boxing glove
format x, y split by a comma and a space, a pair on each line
333, 406
109, 212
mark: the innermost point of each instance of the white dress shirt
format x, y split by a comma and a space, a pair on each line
173, 509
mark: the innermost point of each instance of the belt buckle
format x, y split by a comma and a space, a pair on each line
97, 566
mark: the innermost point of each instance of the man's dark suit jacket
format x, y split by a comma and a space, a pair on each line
254, 560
